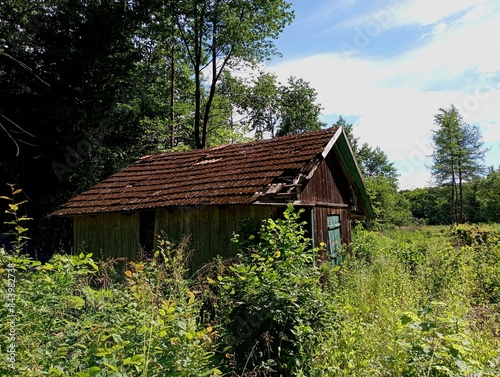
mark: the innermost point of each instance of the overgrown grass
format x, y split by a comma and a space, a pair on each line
413, 305
75, 318
419, 301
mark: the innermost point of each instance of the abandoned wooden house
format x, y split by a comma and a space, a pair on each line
209, 193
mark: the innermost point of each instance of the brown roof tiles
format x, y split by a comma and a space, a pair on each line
229, 174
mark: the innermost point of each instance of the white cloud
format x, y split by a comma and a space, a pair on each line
429, 12
396, 98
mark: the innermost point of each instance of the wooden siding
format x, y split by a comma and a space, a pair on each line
328, 193
322, 187
210, 227
107, 235
321, 224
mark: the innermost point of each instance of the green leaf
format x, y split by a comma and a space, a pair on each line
103, 352
134, 360
57, 371
112, 367
75, 302
405, 320
426, 326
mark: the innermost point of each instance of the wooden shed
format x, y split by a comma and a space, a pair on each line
209, 193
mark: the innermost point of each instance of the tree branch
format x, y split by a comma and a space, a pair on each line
25, 67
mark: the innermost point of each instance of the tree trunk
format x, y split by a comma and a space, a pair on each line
461, 196
172, 92
198, 35
454, 215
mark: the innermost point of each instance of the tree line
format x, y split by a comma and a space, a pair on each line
462, 188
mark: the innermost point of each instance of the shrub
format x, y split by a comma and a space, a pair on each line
271, 302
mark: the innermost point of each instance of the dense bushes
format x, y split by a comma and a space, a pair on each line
404, 303
414, 305
271, 301
75, 319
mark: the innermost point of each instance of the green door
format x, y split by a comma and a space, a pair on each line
334, 240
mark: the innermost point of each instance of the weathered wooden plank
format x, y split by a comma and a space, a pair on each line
224, 232
201, 238
213, 232
157, 228
129, 246
135, 235
176, 224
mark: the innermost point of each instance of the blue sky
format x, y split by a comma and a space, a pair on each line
388, 66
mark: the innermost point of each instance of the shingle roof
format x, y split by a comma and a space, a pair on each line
230, 174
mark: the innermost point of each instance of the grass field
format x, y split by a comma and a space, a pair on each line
418, 301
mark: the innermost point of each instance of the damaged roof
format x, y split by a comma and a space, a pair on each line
228, 174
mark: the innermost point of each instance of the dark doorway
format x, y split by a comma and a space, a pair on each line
147, 231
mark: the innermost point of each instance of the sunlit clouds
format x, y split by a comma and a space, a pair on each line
393, 84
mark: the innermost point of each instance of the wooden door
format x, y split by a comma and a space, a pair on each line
334, 239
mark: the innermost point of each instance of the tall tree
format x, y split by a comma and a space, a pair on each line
265, 105
299, 110
67, 73
457, 157
222, 34
260, 105
348, 129
374, 162
381, 179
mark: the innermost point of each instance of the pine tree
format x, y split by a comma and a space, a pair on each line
457, 157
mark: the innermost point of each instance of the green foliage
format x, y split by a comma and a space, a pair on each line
222, 35
412, 305
271, 302
481, 201
299, 111
390, 206
407, 302
69, 324
259, 105
430, 204
18, 233
489, 196
457, 157
108, 82
437, 343
265, 105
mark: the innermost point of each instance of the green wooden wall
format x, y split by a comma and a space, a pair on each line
107, 235
210, 228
